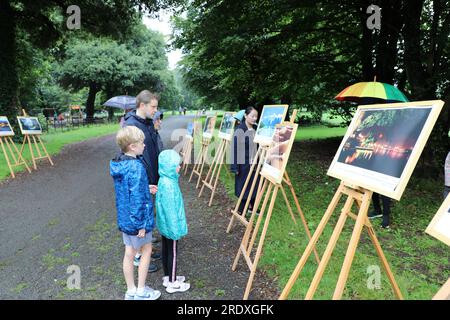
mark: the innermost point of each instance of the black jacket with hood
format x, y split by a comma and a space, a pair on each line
151, 151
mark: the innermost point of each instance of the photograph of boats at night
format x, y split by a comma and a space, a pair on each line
383, 139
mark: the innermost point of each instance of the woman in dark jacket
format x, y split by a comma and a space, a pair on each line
244, 150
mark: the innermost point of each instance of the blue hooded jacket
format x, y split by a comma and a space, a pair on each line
133, 201
170, 215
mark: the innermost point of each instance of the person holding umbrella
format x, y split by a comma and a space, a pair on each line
366, 93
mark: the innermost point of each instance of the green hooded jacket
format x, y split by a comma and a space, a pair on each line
170, 215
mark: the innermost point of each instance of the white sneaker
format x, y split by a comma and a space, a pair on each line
166, 280
147, 294
129, 295
177, 287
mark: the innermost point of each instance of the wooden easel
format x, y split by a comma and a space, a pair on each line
213, 174
41, 154
17, 160
362, 198
201, 159
186, 153
268, 190
255, 169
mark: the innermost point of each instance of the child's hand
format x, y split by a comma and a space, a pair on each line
141, 233
153, 189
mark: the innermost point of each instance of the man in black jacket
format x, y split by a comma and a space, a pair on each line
146, 107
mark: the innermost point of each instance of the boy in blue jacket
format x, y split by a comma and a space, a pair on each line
134, 210
170, 218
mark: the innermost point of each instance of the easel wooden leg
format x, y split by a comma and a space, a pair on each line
249, 227
329, 250
360, 221
45, 150
19, 155
311, 245
300, 212
33, 158
7, 159
385, 263
257, 164
199, 179
260, 244
212, 167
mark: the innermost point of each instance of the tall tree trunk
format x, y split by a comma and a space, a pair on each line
391, 24
90, 103
424, 84
366, 44
8, 68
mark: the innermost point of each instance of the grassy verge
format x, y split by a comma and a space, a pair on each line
419, 262
54, 142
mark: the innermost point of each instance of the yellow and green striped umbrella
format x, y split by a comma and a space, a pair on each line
363, 92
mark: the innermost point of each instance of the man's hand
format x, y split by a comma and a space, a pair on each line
153, 189
141, 233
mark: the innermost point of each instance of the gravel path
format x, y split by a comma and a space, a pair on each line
65, 215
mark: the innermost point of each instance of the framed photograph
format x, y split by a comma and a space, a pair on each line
208, 130
278, 154
383, 144
439, 227
271, 116
5, 127
227, 126
29, 125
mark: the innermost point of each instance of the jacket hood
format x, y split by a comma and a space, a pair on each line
134, 116
120, 165
168, 161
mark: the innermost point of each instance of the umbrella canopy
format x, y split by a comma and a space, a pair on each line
371, 92
122, 102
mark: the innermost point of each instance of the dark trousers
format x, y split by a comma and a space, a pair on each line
242, 205
386, 204
169, 257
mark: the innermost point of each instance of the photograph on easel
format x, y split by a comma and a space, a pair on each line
439, 226
208, 130
227, 126
29, 125
5, 128
270, 117
382, 145
278, 155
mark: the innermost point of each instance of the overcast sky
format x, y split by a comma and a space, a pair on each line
162, 25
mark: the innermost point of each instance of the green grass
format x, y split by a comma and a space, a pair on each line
55, 141
419, 262
319, 132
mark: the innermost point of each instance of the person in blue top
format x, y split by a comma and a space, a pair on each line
170, 218
134, 210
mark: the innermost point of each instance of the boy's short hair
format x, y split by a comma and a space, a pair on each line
129, 135
145, 97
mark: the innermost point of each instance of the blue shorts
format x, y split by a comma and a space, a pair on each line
135, 242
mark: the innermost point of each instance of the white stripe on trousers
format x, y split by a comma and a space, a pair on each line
174, 260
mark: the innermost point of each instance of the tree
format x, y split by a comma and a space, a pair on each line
103, 64
44, 22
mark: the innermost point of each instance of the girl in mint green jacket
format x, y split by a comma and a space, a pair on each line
170, 218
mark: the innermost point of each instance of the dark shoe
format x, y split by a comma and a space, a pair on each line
385, 223
373, 215
152, 267
156, 256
